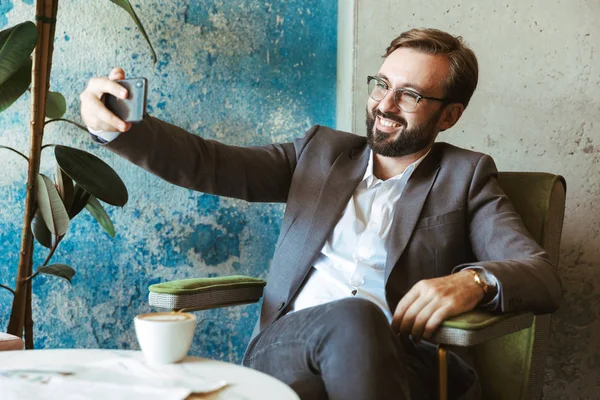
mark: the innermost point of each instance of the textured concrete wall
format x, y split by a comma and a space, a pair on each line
245, 72
537, 108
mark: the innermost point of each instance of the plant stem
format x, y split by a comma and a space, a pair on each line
48, 145
13, 150
66, 120
7, 288
52, 250
30, 277
48, 257
20, 317
29, 314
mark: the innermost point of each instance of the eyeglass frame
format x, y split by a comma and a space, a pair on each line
402, 90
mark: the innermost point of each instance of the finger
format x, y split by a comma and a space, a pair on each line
408, 320
434, 321
422, 319
116, 73
403, 305
100, 86
95, 115
106, 116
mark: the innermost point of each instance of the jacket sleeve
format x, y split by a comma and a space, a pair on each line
261, 174
503, 247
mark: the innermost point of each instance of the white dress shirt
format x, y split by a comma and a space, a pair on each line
104, 136
352, 261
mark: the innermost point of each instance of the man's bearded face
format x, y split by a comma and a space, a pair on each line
403, 140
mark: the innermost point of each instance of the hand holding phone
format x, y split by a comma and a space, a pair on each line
132, 108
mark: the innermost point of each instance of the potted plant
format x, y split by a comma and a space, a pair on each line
81, 180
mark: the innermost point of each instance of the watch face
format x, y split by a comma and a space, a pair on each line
488, 279
491, 284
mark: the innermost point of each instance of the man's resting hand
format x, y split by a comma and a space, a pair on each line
431, 301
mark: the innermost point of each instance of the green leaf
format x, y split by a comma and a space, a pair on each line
60, 270
98, 212
51, 206
65, 187
125, 5
80, 199
40, 230
92, 174
16, 45
15, 86
56, 105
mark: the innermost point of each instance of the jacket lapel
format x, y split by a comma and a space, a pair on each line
408, 209
344, 176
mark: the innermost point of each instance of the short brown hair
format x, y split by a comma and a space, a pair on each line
463, 64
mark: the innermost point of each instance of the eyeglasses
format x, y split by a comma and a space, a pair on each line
405, 99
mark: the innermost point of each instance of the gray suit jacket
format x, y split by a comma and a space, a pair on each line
452, 212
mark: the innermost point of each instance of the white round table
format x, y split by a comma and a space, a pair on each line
243, 383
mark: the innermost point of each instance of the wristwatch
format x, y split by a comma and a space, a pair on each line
489, 286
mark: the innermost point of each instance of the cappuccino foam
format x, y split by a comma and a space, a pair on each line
166, 317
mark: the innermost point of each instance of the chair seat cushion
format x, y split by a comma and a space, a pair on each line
10, 342
203, 293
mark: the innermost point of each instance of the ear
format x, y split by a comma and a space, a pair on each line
451, 115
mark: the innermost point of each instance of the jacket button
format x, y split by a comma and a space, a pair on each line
281, 305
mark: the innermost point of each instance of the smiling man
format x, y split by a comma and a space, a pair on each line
383, 238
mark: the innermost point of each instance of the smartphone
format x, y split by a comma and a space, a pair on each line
132, 108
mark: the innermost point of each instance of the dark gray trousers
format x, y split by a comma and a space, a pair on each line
339, 351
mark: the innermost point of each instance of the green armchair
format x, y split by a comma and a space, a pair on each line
508, 350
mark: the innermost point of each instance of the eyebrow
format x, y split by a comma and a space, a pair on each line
407, 86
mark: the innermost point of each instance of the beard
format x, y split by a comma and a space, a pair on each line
409, 141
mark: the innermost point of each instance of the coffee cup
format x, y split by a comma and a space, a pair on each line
165, 337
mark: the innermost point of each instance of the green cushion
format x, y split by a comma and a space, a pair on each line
475, 320
202, 285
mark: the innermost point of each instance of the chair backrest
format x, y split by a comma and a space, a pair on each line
512, 367
539, 198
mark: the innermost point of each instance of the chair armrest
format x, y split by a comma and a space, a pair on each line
205, 293
476, 327
10, 342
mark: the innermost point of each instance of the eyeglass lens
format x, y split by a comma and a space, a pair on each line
406, 101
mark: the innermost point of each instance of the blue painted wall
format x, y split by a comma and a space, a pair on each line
243, 72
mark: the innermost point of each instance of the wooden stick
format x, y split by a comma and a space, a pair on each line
46, 11
442, 355
28, 315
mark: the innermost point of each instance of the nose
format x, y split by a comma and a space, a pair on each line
387, 104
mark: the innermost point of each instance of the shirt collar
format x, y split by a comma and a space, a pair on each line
371, 179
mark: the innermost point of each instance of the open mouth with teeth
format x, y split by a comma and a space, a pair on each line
387, 123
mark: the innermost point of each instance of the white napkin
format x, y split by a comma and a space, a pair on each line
116, 378
15, 389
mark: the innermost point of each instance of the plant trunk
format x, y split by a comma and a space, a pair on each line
28, 315
21, 315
